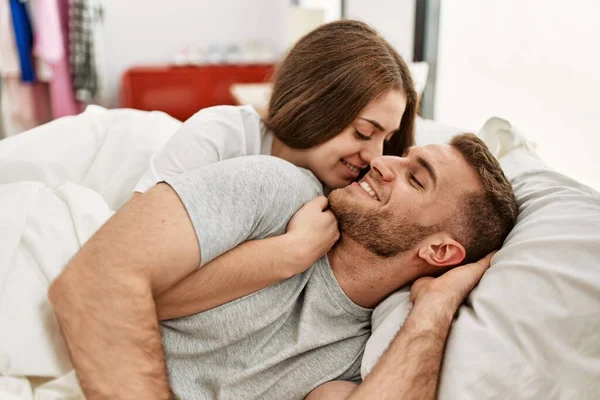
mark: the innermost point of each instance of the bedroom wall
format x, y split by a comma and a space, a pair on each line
142, 32
532, 62
394, 19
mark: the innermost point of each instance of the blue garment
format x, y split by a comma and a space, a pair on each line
24, 39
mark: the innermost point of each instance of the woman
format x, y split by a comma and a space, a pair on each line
341, 96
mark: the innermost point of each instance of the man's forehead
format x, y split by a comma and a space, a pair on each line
448, 162
436, 153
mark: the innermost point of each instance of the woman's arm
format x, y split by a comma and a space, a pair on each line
254, 265
134, 196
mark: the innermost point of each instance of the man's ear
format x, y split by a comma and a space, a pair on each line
442, 250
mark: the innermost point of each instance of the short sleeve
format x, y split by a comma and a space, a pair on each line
352, 374
211, 135
242, 199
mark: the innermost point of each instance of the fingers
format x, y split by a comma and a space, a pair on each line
330, 216
482, 265
488, 258
332, 223
321, 202
456, 284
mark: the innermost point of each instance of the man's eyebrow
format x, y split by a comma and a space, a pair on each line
425, 164
374, 123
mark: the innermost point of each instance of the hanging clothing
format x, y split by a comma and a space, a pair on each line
81, 48
51, 46
24, 37
24, 104
99, 57
2, 133
9, 56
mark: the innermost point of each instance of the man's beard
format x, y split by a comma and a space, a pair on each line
379, 231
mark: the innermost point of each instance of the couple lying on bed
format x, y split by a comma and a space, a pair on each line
283, 315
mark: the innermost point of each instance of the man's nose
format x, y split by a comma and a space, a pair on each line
387, 166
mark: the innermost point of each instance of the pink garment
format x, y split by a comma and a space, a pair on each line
50, 44
25, 105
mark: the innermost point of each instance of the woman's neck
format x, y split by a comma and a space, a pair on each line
294, 156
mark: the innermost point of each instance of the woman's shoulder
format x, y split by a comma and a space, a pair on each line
238, 128
226, 113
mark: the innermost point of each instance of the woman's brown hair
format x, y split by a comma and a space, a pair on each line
329, 77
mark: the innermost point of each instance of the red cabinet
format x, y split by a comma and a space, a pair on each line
182, 91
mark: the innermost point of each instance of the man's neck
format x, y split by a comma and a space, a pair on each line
366, 278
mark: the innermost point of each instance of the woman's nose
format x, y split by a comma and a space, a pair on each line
372, 149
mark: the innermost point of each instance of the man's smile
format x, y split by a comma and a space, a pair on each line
364, 187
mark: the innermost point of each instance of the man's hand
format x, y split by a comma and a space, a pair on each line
453, 286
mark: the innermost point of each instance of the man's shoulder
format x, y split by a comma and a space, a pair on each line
273, 171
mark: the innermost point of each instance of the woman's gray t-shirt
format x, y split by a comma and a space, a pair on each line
282, 341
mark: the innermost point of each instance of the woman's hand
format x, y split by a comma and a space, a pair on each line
311, 232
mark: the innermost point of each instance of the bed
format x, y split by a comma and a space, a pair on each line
530, 330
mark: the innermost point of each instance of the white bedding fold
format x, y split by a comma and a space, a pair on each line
44, 229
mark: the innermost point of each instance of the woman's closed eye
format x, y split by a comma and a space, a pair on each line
361, 136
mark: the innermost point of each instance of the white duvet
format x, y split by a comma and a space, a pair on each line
58, 185
46, 227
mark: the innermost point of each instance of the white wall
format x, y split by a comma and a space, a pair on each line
142, 32
394, 19
533, 62
146, 32
332, 9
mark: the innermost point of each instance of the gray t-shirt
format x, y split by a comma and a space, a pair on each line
282, 341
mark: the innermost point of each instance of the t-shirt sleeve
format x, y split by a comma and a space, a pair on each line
242, 199
210, 135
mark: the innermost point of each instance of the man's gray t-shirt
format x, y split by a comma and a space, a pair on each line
282, 341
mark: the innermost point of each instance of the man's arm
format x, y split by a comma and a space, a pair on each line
410, 368
104, 298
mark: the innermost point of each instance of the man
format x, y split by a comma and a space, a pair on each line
410, 217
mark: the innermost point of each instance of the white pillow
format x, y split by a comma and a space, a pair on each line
428, 132
531, 329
